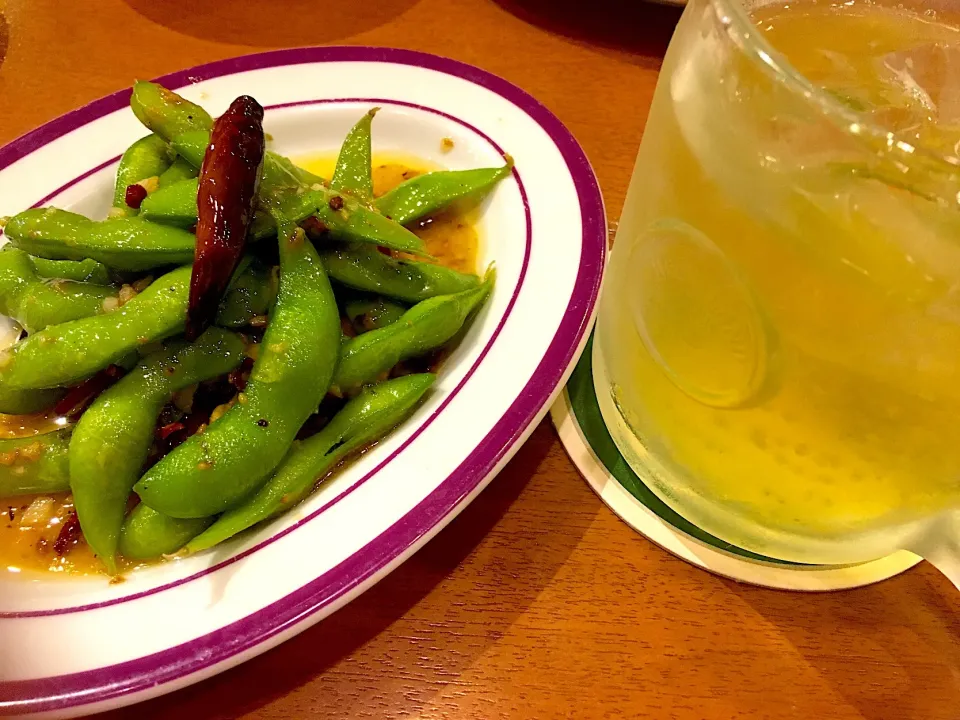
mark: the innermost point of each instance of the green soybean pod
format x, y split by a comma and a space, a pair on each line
210, 472
364, 420
425, 194
304, 177
113, 436
148, 535
252, 294
372, 313
25, 402
179, 170
127, 243
36, 303
67, 353
424, 327
166, 113
174, 204
89, 271
34, 465
352, 171
148, 157
191, 145
362, 267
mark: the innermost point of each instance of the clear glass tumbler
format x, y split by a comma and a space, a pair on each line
778, 344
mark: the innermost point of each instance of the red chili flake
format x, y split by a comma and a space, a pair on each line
68, 536
336, 203
384, 250
238, 378
314, 227
135, 195
78, 398
167, 430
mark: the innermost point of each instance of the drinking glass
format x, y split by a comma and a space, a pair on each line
778, 343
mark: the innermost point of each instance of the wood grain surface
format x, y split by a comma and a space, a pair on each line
536, 602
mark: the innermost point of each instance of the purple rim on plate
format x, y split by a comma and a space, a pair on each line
423, 426
266, 626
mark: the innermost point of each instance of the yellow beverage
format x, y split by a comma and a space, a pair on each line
778, 345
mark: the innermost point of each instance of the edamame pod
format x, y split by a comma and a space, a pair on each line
166, 113
191, 145
363, 267
35, 464
14, 401
425, 194
364, 420
304, 177
147, 534
121, 243
148, 157
36, 303
424, 327
352, 171
372, 313
210, 472
179, 170
66, 353
112, 438
252, 294
174, 204
89, 271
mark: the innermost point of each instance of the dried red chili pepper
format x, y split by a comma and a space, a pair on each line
229, 177
78, 398
68, 536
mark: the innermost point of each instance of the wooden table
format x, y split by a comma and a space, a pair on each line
537, 602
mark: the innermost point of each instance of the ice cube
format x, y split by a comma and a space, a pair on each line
929, 75
925, 79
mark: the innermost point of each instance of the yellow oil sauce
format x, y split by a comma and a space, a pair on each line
29, 527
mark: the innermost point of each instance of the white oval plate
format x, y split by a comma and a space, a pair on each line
75, 646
